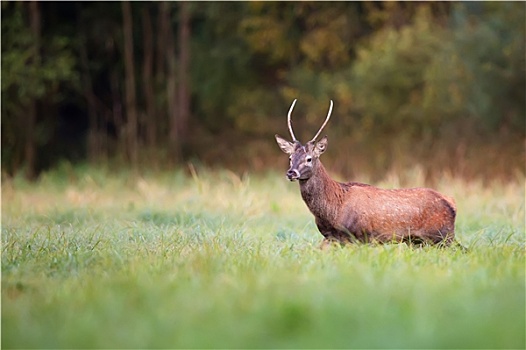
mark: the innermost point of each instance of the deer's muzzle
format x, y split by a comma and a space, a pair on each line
293, 174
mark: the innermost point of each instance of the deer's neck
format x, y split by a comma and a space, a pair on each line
321, 194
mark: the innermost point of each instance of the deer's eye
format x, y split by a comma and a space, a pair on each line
308, 159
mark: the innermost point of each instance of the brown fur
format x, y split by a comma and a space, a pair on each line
348, 212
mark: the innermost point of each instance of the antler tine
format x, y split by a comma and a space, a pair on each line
289, 122
324, 123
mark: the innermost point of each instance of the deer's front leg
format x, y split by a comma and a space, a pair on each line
331, 234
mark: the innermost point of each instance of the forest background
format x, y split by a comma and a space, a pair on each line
155, 85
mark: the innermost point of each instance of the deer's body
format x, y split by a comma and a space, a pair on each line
348, 212
356, 212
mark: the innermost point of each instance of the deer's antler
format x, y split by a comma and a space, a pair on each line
324, 123
289, 122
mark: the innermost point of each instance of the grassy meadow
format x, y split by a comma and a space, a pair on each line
98, 259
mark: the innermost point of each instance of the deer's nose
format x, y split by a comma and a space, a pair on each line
293, 174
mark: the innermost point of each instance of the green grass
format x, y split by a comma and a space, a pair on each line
95, 260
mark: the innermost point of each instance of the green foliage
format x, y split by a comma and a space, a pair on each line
441, 85
426, 75
97, 259
390, 73
265, 26
28, 74
33, 70
492, 64
413, 83
222, 67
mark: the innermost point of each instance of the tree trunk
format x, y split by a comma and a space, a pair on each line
30, 146
129, 67
171, 84
94, 144
147, 71
160, 74
184, 62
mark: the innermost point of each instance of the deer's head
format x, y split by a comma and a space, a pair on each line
303, 158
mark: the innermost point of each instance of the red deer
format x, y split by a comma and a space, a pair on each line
357, 212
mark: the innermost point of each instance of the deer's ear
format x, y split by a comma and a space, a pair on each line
321, 146
286, 146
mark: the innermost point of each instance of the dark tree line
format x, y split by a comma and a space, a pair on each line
161, 83
116, 75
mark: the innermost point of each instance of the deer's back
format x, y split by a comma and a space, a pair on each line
385, 214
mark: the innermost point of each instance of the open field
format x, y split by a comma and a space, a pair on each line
98, 260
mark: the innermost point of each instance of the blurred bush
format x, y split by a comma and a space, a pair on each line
433, 88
